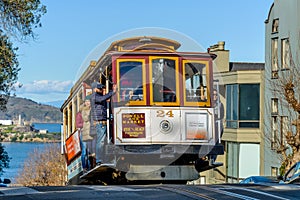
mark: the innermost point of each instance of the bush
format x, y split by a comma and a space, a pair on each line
14, 139
44, 168
4, 159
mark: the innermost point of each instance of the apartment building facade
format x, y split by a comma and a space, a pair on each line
282, 36
242, 93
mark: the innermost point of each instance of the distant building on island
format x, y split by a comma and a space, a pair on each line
6, 122
43, 131
20, 121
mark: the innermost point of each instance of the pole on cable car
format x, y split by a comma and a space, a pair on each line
107, 81
217, 109
107, 114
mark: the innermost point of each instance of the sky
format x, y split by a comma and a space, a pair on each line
75, 31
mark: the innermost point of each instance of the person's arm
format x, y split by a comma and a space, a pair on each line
99, 99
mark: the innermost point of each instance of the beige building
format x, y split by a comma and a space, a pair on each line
257, 114
242, 93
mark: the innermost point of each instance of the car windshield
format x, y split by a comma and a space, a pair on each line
259, 179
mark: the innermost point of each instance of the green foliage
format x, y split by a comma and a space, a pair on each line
282, 169
4, 159
14, 139
20, 17
7, 129
21, 137
8, 69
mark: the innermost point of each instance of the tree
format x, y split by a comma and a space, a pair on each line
44, 168
8, 69
4, 159
18, 19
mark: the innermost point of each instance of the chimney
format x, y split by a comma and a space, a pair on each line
218, 47
221, 63
221, 45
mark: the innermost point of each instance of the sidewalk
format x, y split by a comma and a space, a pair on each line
9, 191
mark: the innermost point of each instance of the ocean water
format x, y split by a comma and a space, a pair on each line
19, 152
51, 127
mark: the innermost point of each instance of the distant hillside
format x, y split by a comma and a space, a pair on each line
31, 111
57, 104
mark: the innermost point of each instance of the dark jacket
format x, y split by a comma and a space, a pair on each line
99, 106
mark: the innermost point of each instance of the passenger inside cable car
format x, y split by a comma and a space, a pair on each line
137, 93
200, 94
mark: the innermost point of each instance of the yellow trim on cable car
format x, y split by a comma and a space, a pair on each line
152, 102
133, 102
207, 75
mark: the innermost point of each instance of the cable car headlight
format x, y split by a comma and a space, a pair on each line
165, 126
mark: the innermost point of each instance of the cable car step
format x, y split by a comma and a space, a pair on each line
98, 169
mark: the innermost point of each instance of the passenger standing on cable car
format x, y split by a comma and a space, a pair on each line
99, 116
220, 111
219, 116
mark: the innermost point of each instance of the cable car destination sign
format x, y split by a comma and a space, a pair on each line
133, 125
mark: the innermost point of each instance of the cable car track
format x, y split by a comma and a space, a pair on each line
161, 191
211, 193
186, 192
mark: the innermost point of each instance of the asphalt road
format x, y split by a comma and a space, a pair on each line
160, 192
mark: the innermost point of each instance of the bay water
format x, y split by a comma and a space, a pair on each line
51, 127
20, 152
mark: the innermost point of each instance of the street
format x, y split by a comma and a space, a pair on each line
160, 191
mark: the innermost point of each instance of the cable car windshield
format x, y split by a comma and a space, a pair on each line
131, 81
163, 80
195, 82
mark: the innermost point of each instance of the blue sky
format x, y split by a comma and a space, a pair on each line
73, 29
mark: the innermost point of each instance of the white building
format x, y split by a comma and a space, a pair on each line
43, 131
282, 36
6, 122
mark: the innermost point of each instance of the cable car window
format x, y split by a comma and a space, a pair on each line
131, 81
164, 80
195, 82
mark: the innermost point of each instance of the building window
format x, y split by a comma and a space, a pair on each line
274, 136
285, 54
275, 26
233, 162
242, 107
232, 106
274, 106
274, 171
284, 128
274, 57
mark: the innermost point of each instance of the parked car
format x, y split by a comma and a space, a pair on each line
259, 180
292, 176
5, 182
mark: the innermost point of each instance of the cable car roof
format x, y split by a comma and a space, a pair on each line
144, 43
